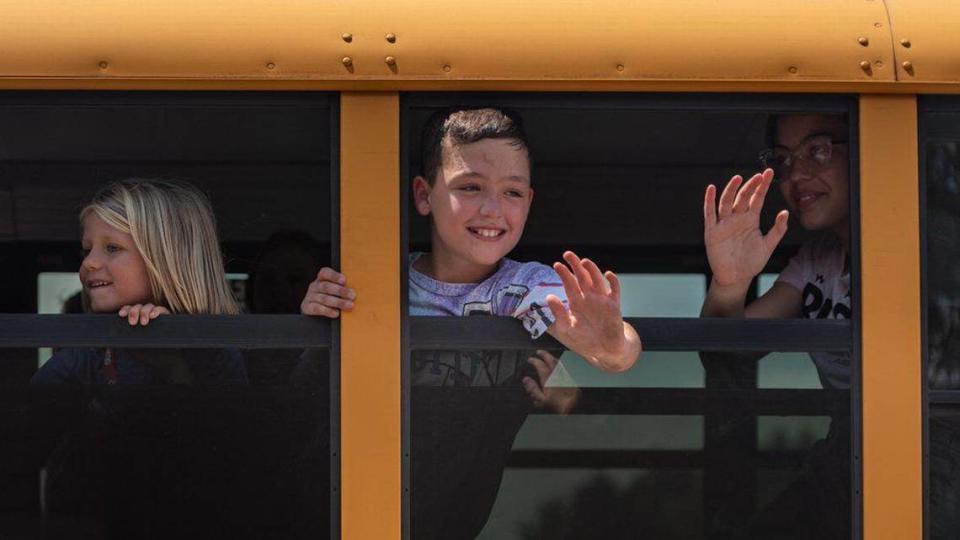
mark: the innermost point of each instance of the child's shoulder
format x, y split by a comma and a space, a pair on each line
823, 246
524, 272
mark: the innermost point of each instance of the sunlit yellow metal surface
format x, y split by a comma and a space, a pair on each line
370, 335
437, 40
925, 40
890, 286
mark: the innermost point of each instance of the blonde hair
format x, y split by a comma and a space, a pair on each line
173, 227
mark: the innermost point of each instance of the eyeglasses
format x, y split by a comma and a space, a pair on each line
816, 150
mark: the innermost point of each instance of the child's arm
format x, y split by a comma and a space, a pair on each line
593, 326
328, 295
738, 251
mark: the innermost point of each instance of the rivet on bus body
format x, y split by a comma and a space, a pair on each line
908, 67
391, 38
104, 64
391, 61
447, 68
905, 42
347, 37
793, 69
620, 67
347, 61
271, 65
877, 25
864, 65
863, 41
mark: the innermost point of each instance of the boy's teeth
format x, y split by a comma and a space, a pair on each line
489, 233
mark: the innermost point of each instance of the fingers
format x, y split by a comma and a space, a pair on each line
142, 314
729, 195
775, 234
542, 367
710, 206
576, 265
329, 274
742, 202
328, 295
596, 276
614, 285
535, 392
570, 284
548, 359
760, 194
560, 314
318, 309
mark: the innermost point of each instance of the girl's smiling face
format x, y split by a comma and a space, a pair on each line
818, 195
113, 273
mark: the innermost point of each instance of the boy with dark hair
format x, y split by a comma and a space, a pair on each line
476, 189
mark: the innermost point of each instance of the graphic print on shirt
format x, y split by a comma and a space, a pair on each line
817, 306
467, 368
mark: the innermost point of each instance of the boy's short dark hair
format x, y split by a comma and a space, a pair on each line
465, 126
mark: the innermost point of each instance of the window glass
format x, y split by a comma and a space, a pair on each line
716, 439
223, 433
940, 164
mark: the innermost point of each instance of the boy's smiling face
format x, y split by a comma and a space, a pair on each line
479, 204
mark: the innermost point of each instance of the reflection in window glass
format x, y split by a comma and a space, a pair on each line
491, 460
943, 245
943, 449
940, 141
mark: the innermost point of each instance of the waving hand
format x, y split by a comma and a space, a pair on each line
736, 248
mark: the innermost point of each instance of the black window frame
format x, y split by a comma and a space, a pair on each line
245, 331
658, 334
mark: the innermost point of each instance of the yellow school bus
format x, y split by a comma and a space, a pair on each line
301, 122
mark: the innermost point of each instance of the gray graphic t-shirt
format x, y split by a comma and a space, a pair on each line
516, 290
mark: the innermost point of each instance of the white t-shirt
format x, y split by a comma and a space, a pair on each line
819, 272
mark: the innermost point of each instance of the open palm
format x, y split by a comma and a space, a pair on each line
593, 325
736, 249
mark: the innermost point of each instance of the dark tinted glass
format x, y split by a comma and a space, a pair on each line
490, 458
158, 455
940, 185
211, 442
943, 245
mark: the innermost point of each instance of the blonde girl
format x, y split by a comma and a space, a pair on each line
150, 248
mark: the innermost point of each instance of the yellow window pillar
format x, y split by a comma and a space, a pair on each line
890, 269
370, 335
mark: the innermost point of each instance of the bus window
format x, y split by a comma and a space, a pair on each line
940, 199
195, 424
723, 428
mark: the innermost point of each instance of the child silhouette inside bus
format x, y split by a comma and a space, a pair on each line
809, 161
150, 248
476, 189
